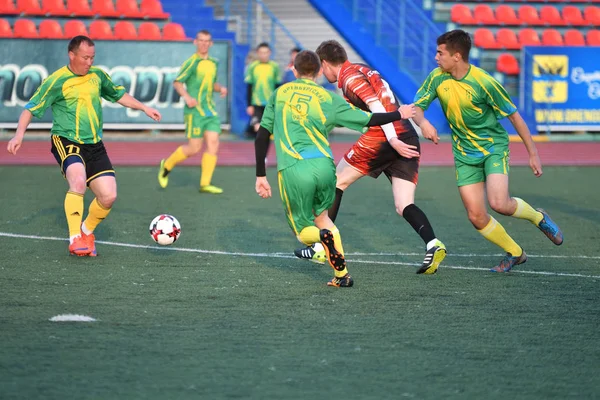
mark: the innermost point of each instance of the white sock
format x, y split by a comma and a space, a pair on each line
431, 243
73, 238
85, 230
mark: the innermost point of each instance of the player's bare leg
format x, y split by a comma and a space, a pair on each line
209, 163
76, 177
473, 197
331, 240
501, 202
105, 189
193, 146
404, 201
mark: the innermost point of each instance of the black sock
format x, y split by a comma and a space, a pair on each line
418, 220
333, 210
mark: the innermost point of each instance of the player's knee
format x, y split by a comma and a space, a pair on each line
478, 218
501, 206
400, 206
107, 200
77, 185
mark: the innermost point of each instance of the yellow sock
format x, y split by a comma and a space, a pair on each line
209, 162
96, 214
309, 235
495, 233
74, 212
337, 241
525, 211
175, 158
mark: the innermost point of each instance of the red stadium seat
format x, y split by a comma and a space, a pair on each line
79, 8
572, 16
55, 8
7, 7
551, 16
104, 8
529, 37
25, 28
125, 30
593, 37
173, 31
484, 14
552, 37
153, 9
75, 28
149, 31
574, 37
5, 31
529, 15
592, 15
506, 15
101, 30
507, 39
507, 64
29, 7
50, 29
128, 9
461, 14
484, 38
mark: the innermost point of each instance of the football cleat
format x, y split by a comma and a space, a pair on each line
312, 253
335, 258
79, 247
344, 281
550, 229
163, 175
211, 189
90, 240
509, 261
433, 258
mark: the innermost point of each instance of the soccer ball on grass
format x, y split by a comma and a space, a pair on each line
165, 229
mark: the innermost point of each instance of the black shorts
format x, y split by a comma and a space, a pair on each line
92, 156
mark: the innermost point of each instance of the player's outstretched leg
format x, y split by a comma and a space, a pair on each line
550, 228
510, 261
336, 259
163, 175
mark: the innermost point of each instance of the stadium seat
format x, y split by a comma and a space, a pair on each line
75, 28
573, 37
173, 31
50, 29
484, 38
484, 14
125, 30
461, 14
551, 16
507, 39
149, 31
529, 37
5, 31
592, 15
29, 7
507, 64
79, 8
529, 15
593, 37
7, 7
55, 8
552, 37
25, 29
104, 8
101, 30
153, 9
571, 15
128, 9
506, 15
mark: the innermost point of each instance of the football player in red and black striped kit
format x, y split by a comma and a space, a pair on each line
392, 149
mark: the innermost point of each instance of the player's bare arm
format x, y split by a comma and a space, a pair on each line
429, 132
405, 150
15, 143
189, 100
130, 102
523, 130
261, 143
221, 89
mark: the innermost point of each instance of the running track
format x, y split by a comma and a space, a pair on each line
241, 153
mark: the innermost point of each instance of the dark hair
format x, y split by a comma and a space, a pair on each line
307, 63
295, 50
332, 52
203, 32
263, 44
77, 40
456, 41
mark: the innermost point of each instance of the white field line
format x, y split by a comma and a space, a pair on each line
283, 255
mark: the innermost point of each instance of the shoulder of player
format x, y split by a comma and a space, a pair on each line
483, 78
63, 72
273, 64
213, 59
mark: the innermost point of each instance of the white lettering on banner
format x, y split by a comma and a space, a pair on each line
578, 76
18, 84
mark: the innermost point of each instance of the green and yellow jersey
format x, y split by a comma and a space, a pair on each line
473, 105
199, 76
76, 103
300, 114
264, 78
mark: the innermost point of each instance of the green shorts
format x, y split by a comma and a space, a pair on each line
196, 125
468, 173
307, 188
